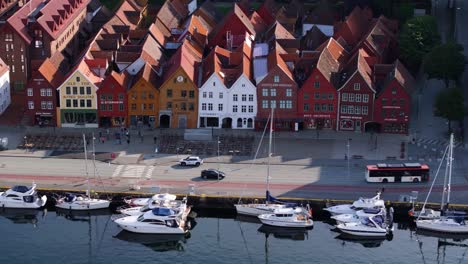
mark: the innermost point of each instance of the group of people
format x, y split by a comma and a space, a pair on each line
124, 132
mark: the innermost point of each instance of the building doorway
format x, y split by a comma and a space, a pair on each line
372, 127
227, 123
164, 121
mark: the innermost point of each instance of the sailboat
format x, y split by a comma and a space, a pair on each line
82, 202
256, 209
446, 223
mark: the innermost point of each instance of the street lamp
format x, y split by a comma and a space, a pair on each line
347, 153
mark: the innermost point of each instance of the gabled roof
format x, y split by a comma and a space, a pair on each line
259, 25
278, 31
396, 71
152, 52
128, 14
173, 13
187, 58
149, 74
52, 71
278, 57
122, 78
267, 11
331, 59
355, 25
313, 39
90, 68
357, 65
209, 13
53, 16
7, 5
323, 14
198, 30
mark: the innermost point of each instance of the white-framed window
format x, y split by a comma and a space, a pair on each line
330, 96
264, 104
351, 97
43, 105
203, 106
210, 107
276, 79
282, 104
12, 67
273, 103
316, 107
357, 86
289, 104
49, 92
288, 92
351, 109
244, 109
330, 108
344, 97
30, 91
358, 98
49, 105
234, 108
343, 109
43, 92
273, 92
324, 107
204, 94
250, 108
220, 95
7, 47
244, 98
264, 92
357, 110
234, 98
220, 107
210, 95
365, 110
30, 105
365, 98
250, 97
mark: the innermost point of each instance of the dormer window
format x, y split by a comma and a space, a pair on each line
78, 79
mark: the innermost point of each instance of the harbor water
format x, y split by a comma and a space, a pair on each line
60, 237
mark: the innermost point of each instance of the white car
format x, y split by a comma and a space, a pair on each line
191, 161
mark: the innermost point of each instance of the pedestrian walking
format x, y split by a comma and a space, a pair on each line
128, 141
155, 140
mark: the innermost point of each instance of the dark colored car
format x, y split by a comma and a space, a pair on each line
212, 174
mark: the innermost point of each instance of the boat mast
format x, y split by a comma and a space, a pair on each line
450, 170
86, 165
269, 153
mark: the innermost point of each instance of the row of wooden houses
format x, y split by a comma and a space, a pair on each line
193, 67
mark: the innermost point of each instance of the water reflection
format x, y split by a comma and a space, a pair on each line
81, 216
23, 216
367, 242
156, 242
284, 233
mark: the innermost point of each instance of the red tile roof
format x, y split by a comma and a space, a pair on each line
152, 52
258, 23
53, 16
128, 14
332, 58
355, 26
173, 13
187, 58
209, 13
358, 64
313, 38
90, 68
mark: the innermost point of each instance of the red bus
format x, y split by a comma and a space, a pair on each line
403, 172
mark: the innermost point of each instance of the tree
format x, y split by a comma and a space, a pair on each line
450, 105
418, 37
445, 62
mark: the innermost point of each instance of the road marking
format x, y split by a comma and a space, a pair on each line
149, 172
117, 171
132, 171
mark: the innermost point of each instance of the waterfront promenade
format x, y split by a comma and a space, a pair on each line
304, 165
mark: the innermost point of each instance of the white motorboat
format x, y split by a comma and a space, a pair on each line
159, 220
288, 217
145, 200
22, 197
447, 222
358, 215
373, 226
171, 204
361, 203
271, 203
426, 214
83, 202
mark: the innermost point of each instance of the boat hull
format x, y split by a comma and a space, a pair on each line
20, 204
340, 209
131, 224
87, 204
302, 224
442, 226
257, 209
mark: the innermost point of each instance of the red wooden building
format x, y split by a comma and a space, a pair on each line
318, 96
112, 100
277, 89
393, 103
41, 91
356, 95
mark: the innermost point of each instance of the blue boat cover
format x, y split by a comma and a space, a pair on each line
69, 198
20, 188
270, 198
378, 219
371, 210
161, 211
